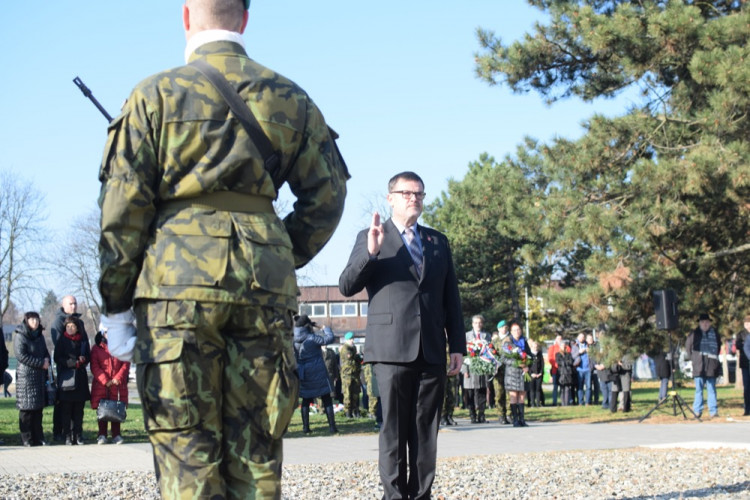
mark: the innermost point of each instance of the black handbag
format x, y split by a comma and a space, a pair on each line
50, 394
111, 410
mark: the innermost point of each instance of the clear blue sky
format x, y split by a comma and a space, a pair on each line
394, 78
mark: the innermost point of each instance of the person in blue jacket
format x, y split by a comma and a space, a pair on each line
313, 376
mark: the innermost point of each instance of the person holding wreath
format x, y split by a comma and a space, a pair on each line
110, 381
516, 356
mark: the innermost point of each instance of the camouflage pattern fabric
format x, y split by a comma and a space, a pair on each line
351, 369
372, 389
229, 442
173, 141
214, 286
498, 383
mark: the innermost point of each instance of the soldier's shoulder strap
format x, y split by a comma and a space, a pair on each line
271, 159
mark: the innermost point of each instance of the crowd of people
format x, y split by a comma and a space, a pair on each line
578, 376
60, 380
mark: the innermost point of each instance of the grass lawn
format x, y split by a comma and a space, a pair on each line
644, 398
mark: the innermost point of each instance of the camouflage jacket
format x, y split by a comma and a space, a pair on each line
351, 361
176, 140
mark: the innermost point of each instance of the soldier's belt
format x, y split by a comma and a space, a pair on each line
227, 201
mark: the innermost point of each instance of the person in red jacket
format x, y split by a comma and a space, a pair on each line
110, 381
551, 357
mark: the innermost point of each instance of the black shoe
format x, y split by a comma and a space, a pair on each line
79, 441
451, 421
27, 444
504, 420
68, 441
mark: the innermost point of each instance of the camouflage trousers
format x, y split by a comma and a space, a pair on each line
500, 399
351, 389
372, 392
218, 387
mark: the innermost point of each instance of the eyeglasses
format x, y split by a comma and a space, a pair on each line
408, 194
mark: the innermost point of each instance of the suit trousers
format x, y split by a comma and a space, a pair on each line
410, 396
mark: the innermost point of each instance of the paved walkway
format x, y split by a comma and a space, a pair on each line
461, 440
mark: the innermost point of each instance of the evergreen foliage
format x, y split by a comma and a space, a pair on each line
658, 197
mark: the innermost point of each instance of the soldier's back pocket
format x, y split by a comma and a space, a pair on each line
193, 252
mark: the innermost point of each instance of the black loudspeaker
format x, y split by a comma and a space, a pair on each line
665, 307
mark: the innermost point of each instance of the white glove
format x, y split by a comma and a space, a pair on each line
120, 334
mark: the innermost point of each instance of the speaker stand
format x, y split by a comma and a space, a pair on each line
676, 399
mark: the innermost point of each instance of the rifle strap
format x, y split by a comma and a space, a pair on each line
271, 160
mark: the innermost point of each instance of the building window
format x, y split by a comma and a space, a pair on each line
363, 308
316, 310
343, 309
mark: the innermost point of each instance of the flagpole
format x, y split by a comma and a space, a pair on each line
526, 292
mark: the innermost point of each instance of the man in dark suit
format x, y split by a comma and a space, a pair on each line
414, 307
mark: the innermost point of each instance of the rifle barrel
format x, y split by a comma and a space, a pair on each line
87, 93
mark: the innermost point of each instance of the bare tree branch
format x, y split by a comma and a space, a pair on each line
21, 217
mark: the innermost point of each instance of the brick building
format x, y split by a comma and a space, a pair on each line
325, 305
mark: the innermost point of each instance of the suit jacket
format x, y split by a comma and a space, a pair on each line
405, 311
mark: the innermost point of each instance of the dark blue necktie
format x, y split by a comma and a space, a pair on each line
414, 251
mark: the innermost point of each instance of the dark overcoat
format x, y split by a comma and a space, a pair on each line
313, 375
30, 349
67, 352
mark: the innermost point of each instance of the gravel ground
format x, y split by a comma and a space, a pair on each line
622, 474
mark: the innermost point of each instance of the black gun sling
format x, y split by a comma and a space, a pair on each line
271, 160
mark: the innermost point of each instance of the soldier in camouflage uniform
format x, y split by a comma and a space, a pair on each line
190, 240
351, 369
498, 382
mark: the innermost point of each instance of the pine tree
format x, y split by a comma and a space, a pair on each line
658, 197
489, 219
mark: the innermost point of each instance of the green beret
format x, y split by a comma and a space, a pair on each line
501, 323
349, 336
247, 4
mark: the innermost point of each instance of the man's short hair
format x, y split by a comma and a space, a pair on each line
478, 316
217, 14
407, 176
